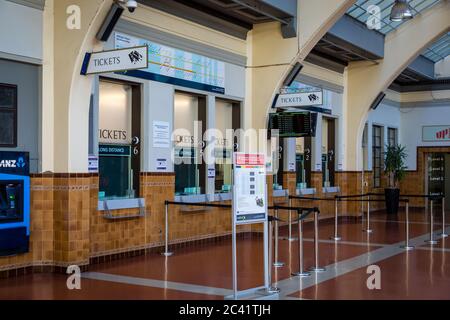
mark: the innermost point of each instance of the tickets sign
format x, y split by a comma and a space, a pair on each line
115, 60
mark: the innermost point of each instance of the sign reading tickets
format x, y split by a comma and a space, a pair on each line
436, 133
122, 59
249, 191
175, 66
300, 99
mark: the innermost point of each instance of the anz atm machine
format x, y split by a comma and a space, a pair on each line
14, 203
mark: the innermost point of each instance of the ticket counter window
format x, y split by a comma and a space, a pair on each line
227, 118
187, 171
278, 177
189, 167
300, 170
303, 162
328, 151
119, 104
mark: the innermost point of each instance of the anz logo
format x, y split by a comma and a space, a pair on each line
19, 163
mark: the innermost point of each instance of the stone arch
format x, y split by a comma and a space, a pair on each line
315, 18
71, 90
364, 80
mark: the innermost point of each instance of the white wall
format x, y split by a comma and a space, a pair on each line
412, 120
442, 68
20, 30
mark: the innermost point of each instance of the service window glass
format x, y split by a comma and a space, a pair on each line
115, 171
8, 115
188, 148
223, 150
302, 162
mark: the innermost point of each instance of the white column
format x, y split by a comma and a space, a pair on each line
316, 163
289, 154
210, 124
160, 107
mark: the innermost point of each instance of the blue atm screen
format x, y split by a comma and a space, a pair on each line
11, 201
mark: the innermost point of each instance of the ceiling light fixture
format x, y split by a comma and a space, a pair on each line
401, 11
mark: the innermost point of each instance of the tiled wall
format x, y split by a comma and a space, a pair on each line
41, 228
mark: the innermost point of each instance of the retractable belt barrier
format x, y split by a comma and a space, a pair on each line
271, 289
300, 219
166, 252
276, 208
302, 213
430, 198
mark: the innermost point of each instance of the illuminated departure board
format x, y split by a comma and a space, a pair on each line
294, 124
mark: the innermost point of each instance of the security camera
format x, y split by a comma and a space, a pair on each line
131, 5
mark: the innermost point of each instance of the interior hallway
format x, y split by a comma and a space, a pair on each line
204, 271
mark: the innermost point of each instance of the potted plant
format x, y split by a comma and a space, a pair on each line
394, 167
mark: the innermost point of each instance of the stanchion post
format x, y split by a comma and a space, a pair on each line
301, 272
368, 230
407, 246
431, 241
290, 221
271, 288
443, 234
277, 263
336, 237
316, 267
166, 240
290, 238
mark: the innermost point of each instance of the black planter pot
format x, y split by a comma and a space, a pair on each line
392, 198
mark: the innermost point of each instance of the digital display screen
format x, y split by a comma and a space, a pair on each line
11, 197
294, 124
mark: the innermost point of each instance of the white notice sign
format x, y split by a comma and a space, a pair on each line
92, 163
249, 197
161, 164
161, 134
115, 60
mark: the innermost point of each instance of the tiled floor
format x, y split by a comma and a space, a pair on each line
204, 272
418, 274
